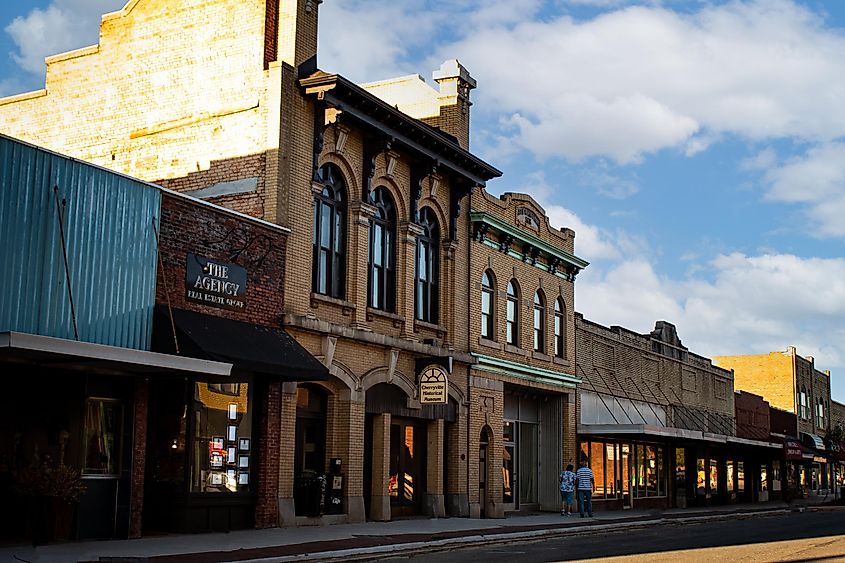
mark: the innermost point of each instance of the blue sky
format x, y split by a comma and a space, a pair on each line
697, 148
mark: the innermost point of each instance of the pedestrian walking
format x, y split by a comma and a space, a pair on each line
567, 490
586, 485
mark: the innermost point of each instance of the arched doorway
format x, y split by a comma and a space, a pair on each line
483, 474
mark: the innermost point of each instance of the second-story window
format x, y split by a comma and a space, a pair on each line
382, 252
512, 314
328, 268
539, 322
803, 407
428, 245
820, 414
560, 328
487, 305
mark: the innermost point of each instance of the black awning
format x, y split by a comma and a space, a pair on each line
250, 348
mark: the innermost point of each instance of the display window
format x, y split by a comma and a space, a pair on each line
103, 421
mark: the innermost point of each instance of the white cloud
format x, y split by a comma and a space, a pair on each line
62, 26
817, 180
763, 160
745, 304
637, 79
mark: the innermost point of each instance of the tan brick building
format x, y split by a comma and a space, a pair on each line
791, 382
657, 423
390, 235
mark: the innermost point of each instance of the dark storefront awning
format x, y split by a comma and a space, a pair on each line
250, 348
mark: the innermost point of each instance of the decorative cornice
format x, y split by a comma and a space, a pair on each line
484, 223
522, 371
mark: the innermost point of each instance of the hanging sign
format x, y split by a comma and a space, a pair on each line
434, 385
215, 283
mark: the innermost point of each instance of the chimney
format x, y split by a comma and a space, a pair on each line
297, 33
455, 83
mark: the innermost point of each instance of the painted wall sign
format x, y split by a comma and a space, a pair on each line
215, 283
434, 385
527, 218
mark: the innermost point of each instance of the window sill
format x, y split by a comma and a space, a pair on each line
487, 343
318, 298
515, 350
560, 361
418, 324
398, 320
541, 356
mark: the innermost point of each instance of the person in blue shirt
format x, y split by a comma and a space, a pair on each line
567, 490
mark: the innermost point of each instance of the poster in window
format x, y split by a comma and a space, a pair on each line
243, 478
233, 411
216, 478
232, 433
216, 459
243, 461
217, 443
244, 444
230, 458
230, 476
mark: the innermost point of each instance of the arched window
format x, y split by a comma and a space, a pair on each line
428, 252
560, 328
512, 314
382, 252
487, 305
539, 322
328, 270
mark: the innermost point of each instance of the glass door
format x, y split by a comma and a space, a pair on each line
508, 466
529, 463
625, 475
407, 467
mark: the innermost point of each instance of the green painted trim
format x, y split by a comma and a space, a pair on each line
522, 371
498, 224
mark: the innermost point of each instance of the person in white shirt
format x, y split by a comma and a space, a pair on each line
586, 485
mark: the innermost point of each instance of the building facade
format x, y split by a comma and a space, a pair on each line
791, 382
657, 423
389, 236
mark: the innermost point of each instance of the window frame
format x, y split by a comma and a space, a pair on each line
512, 314
560, 329
329, 255
539, 321
382, 294
488, 313
427, 258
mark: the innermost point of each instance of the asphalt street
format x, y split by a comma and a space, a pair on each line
808, 536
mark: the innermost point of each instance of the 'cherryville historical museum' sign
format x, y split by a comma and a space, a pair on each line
434, 385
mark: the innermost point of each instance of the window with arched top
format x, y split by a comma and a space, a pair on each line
560, 328
539, 321
487, 305
328, 268
512, 314
428, 265
382, 252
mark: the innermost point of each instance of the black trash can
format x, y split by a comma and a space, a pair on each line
308, 495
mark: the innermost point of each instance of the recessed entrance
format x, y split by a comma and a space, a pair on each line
407, 467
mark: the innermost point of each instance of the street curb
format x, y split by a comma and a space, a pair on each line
410, 548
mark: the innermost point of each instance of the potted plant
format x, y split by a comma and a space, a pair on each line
51, 494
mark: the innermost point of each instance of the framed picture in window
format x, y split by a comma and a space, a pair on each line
216, 478
230, 458
216, 459
243, 461
232, 433
243, 478
233, 411
243, 444
217, 443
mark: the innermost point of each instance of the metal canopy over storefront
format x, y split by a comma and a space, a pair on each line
60, 353
649, 431
250, 348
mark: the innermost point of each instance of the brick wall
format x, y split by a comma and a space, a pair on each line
139, 457
270, 446
768, 375
752, 416
191, 227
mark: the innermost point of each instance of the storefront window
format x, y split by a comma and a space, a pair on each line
740, 476
610, 457
776, 477
714, 477
103, 418
729, 466
528, 462
701, 478
651, 471
764, 478
508, 463
597, 465
680, 470
222, 453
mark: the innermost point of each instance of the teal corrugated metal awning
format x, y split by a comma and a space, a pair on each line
109, 240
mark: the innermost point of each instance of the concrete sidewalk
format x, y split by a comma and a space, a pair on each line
368, 540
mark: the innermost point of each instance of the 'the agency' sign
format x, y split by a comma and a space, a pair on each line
214, 283
434, 385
